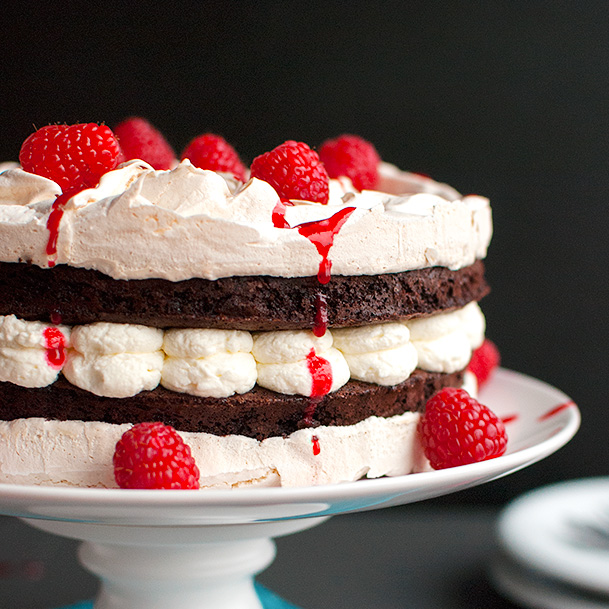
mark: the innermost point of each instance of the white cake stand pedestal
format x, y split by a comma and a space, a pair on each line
176, 567
195, 550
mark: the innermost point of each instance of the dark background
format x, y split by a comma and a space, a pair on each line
502, 98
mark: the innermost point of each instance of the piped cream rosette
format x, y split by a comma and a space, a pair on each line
208, 362
380, 354
115, 360
24, 352
444, 341
284, 361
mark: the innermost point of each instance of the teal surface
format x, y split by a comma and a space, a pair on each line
268, 599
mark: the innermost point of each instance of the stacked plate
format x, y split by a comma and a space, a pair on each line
555, 547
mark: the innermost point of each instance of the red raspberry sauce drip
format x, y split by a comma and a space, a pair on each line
55, 345
316, 448
509, 419
278, 216
321, 384
309, 413
56, 317
321, 234
321, 374
556, 410
321, 315
53, 223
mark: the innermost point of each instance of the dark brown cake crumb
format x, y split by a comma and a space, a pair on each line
73, 296
259, 413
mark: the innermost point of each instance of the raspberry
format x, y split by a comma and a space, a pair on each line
354, 157
140, 140
484, 360
294, 171
213, 152
74, 156
153, 455
456, 429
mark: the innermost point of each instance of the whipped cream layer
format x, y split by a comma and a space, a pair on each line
121, 360
187, 222
32, 353
115, 360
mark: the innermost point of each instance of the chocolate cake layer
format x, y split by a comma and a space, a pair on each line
79, 296
258, 414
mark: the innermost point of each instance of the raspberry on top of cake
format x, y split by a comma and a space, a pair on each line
290, 320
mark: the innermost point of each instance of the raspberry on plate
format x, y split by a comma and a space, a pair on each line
154, 456
354, 157
294, 171
484, 360
456, 429
140, 140
74, 156
213, 152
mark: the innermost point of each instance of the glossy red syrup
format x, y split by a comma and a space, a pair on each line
321, 384
278, 216
509, 419
321, 374
321, 234
55, 345
556, 410
53, 222
321, 315
316, 447
309, 413
56, 317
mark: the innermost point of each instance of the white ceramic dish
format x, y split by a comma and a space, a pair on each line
529, 589
187, 549
562, 532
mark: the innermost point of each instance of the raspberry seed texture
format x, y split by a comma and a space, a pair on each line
140, 140
456, 429
354, 157
294, 171
154, 456
484, 361
74, 156
213, 152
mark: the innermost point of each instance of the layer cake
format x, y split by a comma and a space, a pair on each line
288, 342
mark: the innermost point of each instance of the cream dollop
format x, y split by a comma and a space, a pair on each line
287, 360
474, 323
115, 360
444, 342
26, 351
194, 343
380, 354
107, 338
18, 333
208, 362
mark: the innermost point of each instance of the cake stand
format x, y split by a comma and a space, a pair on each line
194, 549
